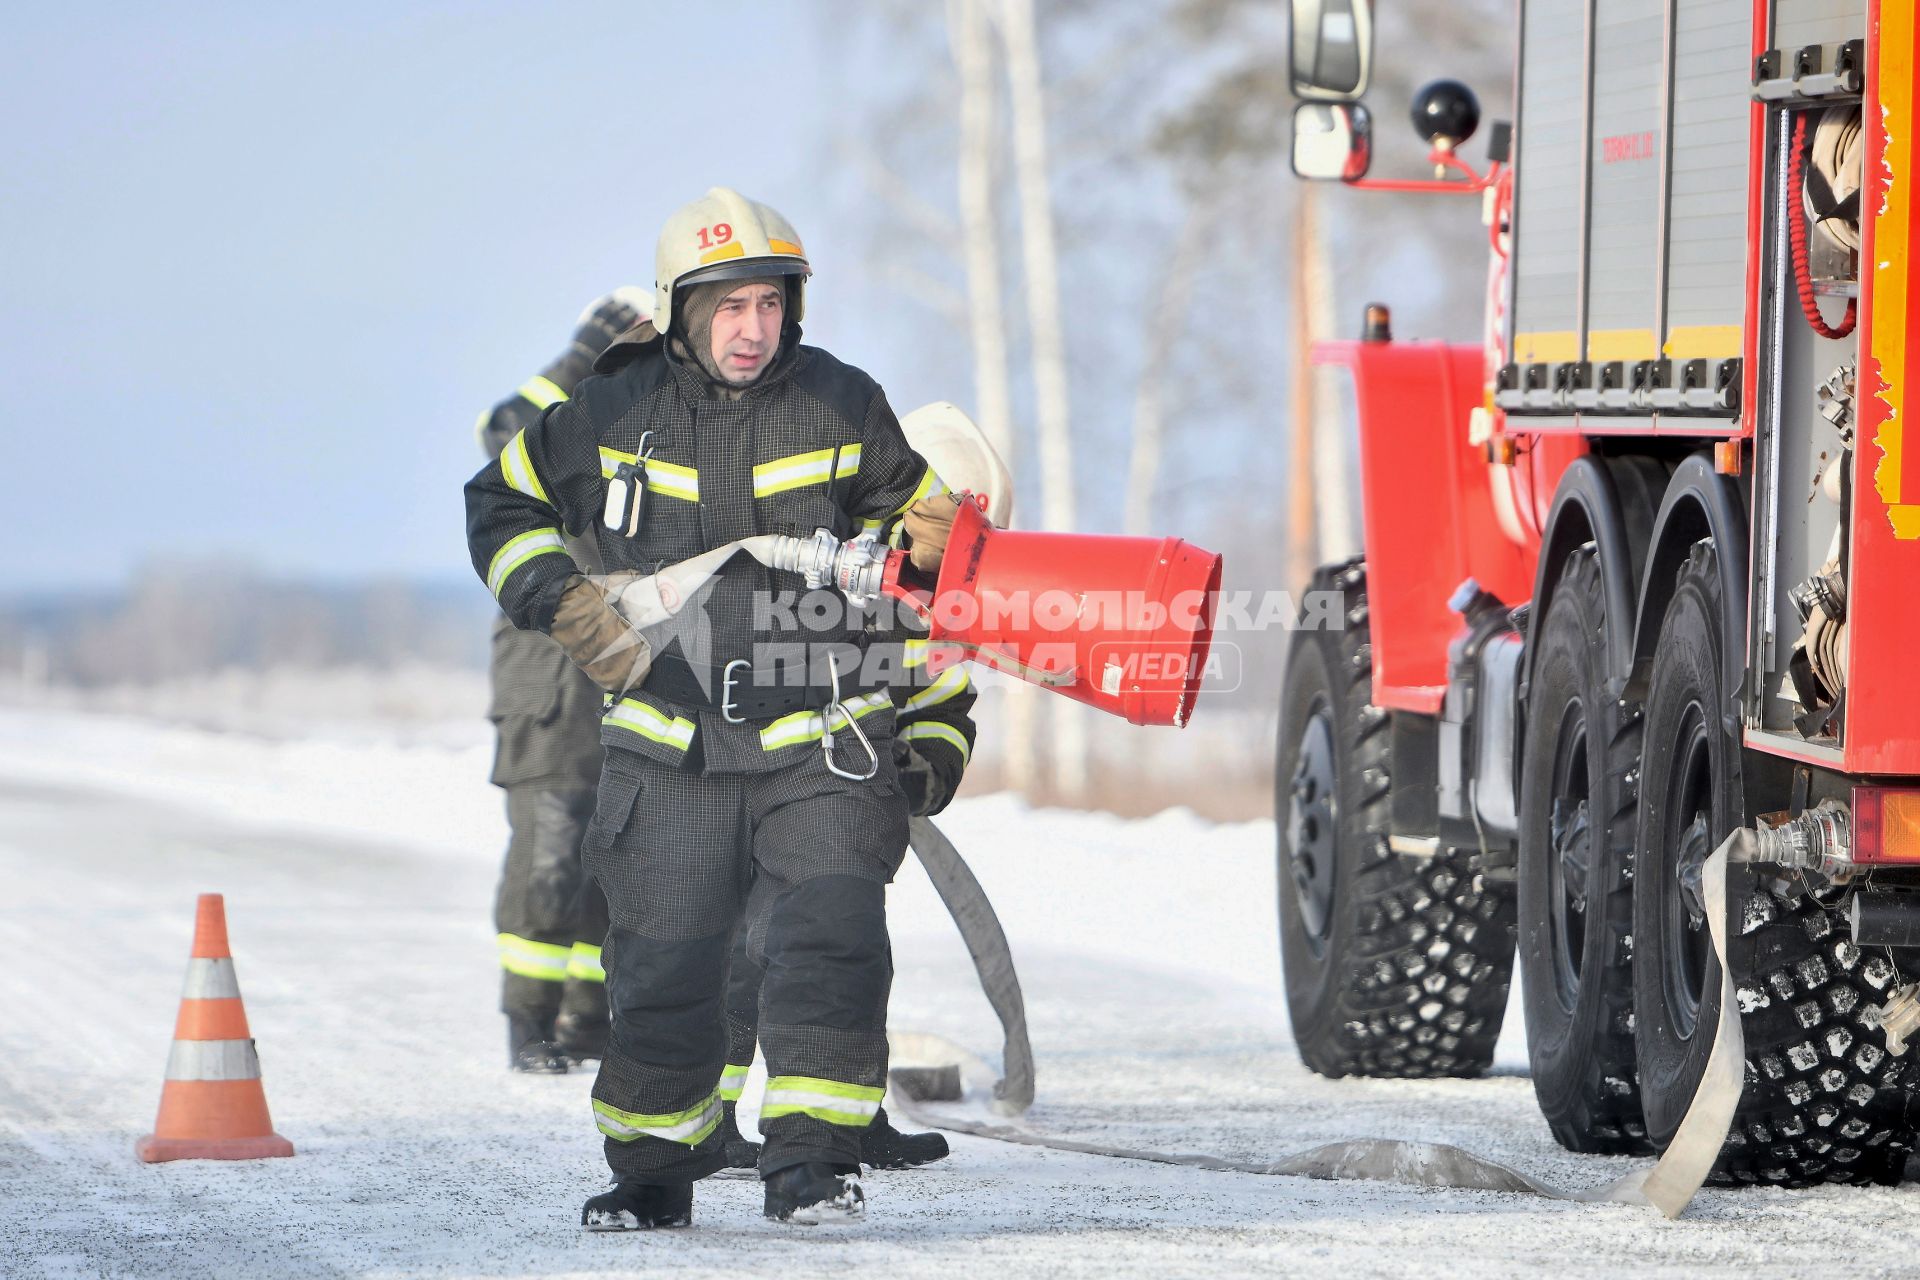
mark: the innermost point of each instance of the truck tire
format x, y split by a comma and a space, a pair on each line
1824, 1101
1395, 966
1580, 756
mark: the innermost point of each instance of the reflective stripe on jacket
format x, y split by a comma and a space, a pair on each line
812, 444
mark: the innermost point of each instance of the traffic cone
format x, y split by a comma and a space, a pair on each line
212, 1106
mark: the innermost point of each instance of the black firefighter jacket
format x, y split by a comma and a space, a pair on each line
813, 444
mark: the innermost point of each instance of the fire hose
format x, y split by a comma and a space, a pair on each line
966, 902
1669, 1185
955, 1074
1797, 226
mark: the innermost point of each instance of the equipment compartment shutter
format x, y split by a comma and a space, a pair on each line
1707, 233
1798, 23
1628, 155
1546, 267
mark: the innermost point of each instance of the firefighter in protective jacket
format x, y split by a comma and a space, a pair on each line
719, 773
933, 741
549, 917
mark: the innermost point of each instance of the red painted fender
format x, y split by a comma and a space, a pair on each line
1429, 519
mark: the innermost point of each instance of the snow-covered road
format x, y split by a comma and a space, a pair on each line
359, 877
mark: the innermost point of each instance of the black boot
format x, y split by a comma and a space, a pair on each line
530, 1049
639, 1206
884, 1147
810, 1194
742, 1152
580, 1037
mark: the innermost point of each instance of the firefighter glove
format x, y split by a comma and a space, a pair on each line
927, 790
598, 639
929, 523
608, 318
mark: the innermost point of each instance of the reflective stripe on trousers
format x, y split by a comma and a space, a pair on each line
583, 963
545, 961
733, 1081
854, 1105
688, 1127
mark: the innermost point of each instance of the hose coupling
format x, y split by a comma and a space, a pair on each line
1900, 1017
854, 568
1819, 839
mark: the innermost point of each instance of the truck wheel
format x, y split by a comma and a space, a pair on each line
1824, 1101
1394, 966
1576, 883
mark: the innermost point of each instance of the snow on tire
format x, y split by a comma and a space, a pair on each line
1824, 1100
1395, 966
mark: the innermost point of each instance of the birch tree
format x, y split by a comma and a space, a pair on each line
980, 223
970, 37
1052, 406
1166, 322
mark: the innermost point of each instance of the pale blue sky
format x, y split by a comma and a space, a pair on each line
261, 265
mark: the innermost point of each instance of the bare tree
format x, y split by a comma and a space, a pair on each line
1166, 322
1053, 407
979, 221
969, 36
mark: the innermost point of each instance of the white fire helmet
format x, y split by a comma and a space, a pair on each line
725, 236
957, 450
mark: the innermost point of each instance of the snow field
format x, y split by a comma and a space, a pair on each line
359, 873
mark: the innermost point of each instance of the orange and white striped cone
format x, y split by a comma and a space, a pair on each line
212, 1106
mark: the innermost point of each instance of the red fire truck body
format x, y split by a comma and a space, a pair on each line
1405, 386
1642, 568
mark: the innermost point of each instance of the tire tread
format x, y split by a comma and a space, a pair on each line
1423, 987
1603, 1113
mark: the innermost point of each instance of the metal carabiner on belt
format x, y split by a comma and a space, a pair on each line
860, 735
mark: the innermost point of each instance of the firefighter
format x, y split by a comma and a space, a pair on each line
933, 741
549, 918
718, 773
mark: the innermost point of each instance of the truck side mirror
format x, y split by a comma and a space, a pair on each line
1332, 140
1332, 49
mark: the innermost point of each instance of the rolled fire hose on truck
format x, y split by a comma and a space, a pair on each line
863, 570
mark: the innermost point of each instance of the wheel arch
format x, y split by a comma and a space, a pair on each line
1612, 503
1699, 503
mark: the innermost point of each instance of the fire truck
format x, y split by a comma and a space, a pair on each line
1641, 571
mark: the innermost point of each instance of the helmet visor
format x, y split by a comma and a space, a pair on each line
745, 268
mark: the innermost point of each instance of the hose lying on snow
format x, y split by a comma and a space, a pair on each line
992, 960
1669, 1185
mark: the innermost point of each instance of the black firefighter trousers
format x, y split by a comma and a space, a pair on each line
548, 917
677, 854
